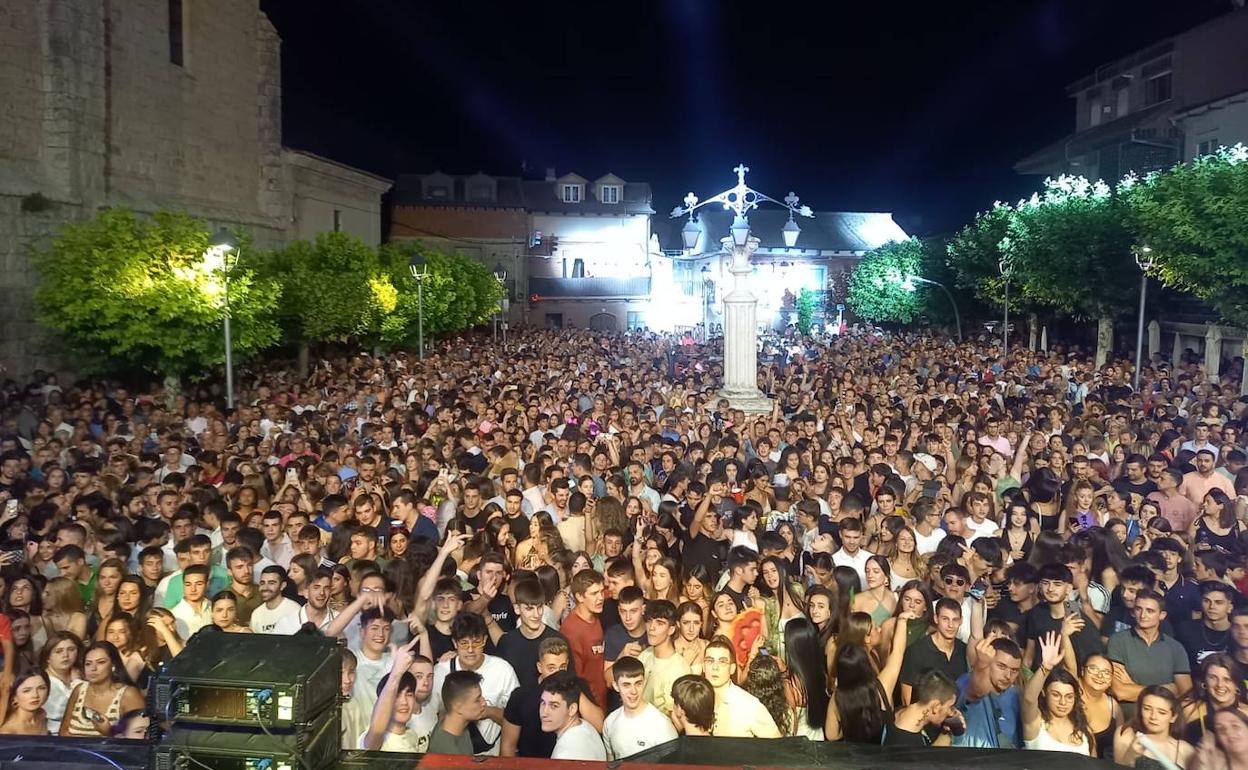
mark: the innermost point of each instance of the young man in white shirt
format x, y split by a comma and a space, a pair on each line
560, 712
276, 614
662, 663
402, 720
852, 554
979, 524
637, 725
194, 611
737, 713
498, 678
317, 611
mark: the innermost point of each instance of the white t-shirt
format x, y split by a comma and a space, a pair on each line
858, 561
740, 715
368, 673
581, 741
415, 740
284, 619
988, 528
498, 680
925, 544
626, 735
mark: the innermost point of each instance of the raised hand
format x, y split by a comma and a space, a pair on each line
1050, 650
1072, 624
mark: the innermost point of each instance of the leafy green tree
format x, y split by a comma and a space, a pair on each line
878, 287
458, 292
333, 288
805, 310
1194, 218
974, 254
1070, 248
129, 293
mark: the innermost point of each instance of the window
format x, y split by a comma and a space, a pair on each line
1206, 147
1123, 103
1157, 89
610, 193
571, 193
635, 320
176, 30
337, 220
1094, 112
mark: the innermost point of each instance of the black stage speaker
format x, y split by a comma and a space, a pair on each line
249, 680
51, 752
315, 747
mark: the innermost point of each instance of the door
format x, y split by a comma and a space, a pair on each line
603, 322
554, 320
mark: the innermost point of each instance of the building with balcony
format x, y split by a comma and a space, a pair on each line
828, 248
1169, 102
578, 252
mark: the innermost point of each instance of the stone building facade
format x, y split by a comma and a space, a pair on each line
148, 104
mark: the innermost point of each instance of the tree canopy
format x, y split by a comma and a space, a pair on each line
129, 293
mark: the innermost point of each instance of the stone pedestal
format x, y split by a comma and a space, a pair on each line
1176, 352
1033, 329
741, 336
1154, 339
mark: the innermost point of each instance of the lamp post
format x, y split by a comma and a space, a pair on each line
500, 275
220, 248
1143, 260
419, 271
908, 283
1007, 271
740, 304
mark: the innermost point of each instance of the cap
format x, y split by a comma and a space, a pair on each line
926, 460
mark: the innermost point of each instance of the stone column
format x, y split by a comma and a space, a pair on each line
1104, 340
1176, 353
741, 335
1033, 328
1213, 351
1154, 339
1044, 338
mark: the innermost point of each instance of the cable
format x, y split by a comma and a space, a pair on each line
196, 761
45, 747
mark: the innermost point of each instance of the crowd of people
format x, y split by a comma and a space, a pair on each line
570, 547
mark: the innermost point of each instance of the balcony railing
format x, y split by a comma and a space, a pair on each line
590, 287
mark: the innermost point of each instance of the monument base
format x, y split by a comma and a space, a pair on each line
750, 401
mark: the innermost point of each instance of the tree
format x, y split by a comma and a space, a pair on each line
334, 289
805, 310
974, 254
458, 292
878, 289
1194, 218
131, 293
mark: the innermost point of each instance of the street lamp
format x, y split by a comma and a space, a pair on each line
1007, 271
740, 305
419, 270
222, 245
1143, 260
500, 275
908, 282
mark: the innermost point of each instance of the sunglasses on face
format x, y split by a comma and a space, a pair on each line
955, 581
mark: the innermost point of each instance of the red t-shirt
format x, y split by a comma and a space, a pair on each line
585, 641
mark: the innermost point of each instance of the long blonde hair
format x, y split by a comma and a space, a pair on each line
63, 596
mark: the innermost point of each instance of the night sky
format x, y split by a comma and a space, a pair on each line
916, 108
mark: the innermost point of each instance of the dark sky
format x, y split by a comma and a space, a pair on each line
916, 108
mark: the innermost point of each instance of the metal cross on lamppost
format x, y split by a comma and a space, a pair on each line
740, 304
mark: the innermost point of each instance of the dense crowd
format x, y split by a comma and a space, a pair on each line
569, 547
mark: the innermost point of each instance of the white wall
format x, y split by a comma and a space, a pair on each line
609, 246
1228, 124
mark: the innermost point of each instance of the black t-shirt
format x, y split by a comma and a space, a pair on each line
1040, 621
610, 615
522, 711
1123, 484
439, 643
1200, 641
504, 614
923, 656
738, 599
701, 549
895, 736
1008, 611
521, 652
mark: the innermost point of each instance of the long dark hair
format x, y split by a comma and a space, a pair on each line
1226, 517
120, 675
1078, 717
848, 585
803, 656
859, 700
828, 631
786, 586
